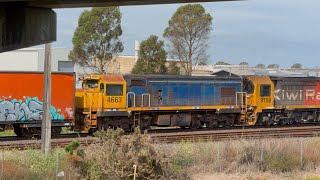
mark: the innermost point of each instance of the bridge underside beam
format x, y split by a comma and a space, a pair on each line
26, 26
90, 3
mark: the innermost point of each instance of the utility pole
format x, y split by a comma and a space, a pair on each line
46, 117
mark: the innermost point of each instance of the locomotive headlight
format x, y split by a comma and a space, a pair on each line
87, 76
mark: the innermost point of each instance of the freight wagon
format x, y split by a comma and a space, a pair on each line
21, 100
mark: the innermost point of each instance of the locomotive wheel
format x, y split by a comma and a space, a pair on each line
195, 124
8, 127
92, 130
55, 131
283, 121
102, 124
18, 131
212, 124
268, 123
28, 132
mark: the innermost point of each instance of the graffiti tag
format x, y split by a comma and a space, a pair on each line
28, 110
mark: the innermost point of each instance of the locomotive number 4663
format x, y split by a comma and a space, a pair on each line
114, 99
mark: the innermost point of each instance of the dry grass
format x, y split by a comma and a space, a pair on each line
115, 156
248, 159
32, 164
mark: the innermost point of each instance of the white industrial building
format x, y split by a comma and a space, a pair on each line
32, 59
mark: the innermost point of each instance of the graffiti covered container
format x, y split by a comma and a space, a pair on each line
21, 97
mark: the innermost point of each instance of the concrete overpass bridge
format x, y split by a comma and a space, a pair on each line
25, 23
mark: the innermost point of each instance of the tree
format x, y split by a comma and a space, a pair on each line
222, 63
188, 34
244, 63
96, 41
173, 68
274, 66
296, 66
260, 66
152, 57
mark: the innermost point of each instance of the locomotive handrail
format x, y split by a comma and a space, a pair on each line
100, 99
142, 102
134, 99
241, 94
90, 116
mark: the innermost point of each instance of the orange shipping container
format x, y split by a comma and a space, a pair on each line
21, 96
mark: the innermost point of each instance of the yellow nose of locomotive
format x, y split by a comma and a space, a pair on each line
99, 94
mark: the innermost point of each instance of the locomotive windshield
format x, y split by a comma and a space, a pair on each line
90, 84
248, 86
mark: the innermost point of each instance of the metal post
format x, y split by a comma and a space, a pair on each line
218, 154
301, 154
2, 166
134, 172
261, 152
57, 167
46, 120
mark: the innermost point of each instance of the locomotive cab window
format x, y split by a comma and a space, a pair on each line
90, 84
265, 90
248, 86
114, 89
101, 87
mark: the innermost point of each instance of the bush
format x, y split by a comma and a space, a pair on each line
115, 156
72, 147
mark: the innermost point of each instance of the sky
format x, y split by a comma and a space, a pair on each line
256, 31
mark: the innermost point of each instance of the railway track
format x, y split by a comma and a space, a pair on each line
36, 144
258, 133
193, 136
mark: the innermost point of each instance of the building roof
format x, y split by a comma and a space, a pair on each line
225, 70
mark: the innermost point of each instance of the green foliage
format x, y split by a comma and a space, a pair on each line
296, 66
7, 133
260, 66
188, 34
109, 134
184, 157
152, 57
222, 63
96, 41
244, 63
173, 68
274, 66
281, 162
70, 148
